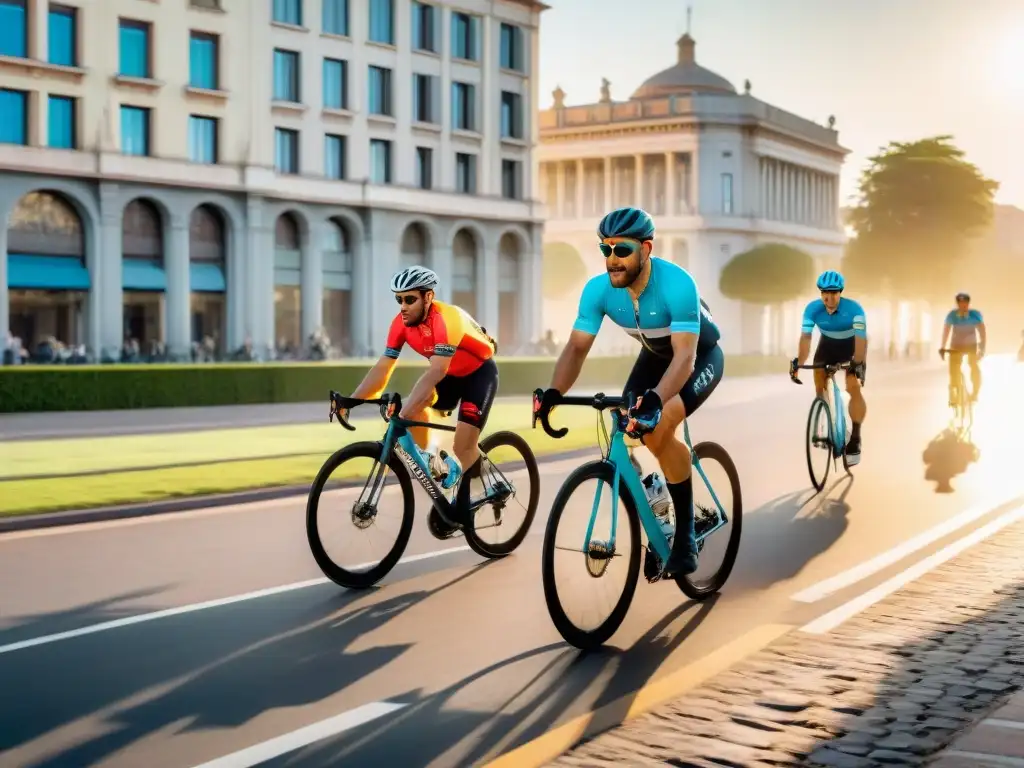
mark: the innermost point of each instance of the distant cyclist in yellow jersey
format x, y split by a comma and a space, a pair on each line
462, 371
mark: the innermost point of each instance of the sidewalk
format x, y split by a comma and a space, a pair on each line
935, 661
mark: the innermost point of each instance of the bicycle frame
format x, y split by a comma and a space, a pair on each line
618, 455
397, 439
838, 407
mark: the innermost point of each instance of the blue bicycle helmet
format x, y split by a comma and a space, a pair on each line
630, 222
830, 280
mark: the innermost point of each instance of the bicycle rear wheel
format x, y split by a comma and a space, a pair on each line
491, 516
363, 514
711, 453
585, 639
820, 440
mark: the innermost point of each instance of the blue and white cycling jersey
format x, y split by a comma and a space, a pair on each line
847, 322
669, 304
964, 329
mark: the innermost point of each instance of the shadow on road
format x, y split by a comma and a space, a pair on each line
781, 537
173, 674
445, 729
947, 456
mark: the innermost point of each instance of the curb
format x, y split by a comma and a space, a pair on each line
30, 522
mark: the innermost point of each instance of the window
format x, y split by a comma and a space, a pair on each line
286, 75
382, 21
60, 115
202, 61
13, 31
727, 202
334, 156
134, 48
202, 139
13, 116
424, 167
286, 150
61, 36
423, 98
286, 12
465, 173
463, 106
380, 91
511, 173
213, 5
511, 115
424, 27
335, 78
134, 130
380, 161
512, 48
465, 34
335, 17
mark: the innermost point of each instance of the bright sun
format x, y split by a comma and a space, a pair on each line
1009, 59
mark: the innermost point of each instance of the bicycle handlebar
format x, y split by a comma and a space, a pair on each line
828, 367
341, 403
599, 402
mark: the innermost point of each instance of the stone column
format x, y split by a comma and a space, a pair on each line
179, 290
670, 183
638, 181
558, 209
312, 278
608, 190
108, 279
5, 299
531, 300
487, 287
580, 182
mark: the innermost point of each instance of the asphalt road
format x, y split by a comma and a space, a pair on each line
451, 661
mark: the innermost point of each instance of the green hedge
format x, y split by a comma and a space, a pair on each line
30, 389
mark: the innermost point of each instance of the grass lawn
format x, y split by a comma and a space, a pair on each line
111, 456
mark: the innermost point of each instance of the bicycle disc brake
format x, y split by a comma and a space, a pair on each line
598, 556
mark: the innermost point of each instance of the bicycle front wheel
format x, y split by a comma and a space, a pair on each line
819, 442
360, 514
511, 451
595, 562
701, 588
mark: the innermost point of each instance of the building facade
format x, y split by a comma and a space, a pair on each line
720, 171
251, 171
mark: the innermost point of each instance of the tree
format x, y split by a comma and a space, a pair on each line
920, 203
772, 274
563, 271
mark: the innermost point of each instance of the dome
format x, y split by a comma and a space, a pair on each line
684, 77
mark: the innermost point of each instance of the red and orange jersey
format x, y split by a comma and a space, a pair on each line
446, 331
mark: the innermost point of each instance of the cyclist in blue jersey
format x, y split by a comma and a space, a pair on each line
964, 333
680, 363
844, 337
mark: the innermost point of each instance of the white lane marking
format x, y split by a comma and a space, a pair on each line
995, 722
282, 745
860, 572
983, 757
832, 619
192, 608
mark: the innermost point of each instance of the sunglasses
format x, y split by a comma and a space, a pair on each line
407, 300
621, 250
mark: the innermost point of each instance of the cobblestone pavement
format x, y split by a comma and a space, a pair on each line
891, 686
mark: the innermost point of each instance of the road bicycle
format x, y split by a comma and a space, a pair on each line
397, 452
826, 421
961, 400
620, 469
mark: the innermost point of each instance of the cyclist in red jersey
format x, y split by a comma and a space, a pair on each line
461, 372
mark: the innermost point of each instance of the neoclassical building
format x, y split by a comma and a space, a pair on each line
721, 171
256, 171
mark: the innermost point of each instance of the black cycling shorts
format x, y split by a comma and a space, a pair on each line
473, 394
707, 374
831, 351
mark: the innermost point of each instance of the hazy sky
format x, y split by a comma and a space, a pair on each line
889, 70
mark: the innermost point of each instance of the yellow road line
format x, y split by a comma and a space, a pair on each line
558, 741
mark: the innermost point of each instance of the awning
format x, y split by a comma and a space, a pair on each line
52, 273
142, 275
205, 277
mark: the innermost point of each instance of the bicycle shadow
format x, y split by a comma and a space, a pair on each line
945, 457
781, 537
439, 729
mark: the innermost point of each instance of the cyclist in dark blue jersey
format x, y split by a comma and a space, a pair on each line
680, 363
844, 337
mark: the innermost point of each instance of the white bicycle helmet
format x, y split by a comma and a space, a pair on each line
414, 279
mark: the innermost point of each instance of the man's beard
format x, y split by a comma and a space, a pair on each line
627, 277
